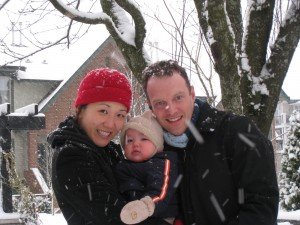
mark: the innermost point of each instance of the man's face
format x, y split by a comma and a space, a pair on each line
172, 102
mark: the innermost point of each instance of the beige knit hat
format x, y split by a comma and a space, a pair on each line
148, 125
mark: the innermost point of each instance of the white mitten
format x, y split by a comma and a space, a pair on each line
150, 204
137, 211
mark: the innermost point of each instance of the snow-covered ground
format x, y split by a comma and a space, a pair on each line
294, 215
49, 219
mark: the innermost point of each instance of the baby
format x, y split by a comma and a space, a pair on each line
147, 176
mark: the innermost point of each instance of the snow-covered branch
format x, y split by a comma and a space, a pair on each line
92, 18
223, 48
233, 11
256, 39
139, 22
286, 42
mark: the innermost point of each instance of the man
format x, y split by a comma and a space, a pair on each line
227, 164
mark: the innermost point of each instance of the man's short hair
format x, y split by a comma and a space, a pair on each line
164, 68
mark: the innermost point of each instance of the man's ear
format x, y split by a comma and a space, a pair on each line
192, 92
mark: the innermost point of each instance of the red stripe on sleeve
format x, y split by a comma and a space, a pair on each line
165, 182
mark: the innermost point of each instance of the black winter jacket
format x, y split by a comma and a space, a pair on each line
82, 177
155, 177
229, 178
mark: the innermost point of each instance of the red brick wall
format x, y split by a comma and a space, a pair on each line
63, 104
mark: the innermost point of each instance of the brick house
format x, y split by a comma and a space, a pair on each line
58, 105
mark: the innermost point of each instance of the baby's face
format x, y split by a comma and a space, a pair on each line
138, 147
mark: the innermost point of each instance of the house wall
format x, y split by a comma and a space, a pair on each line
26, 92
62, 106
19, 146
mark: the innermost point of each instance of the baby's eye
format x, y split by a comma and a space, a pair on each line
122, 116
129, 140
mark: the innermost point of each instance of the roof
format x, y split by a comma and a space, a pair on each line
20, 73
283, 96
45, 103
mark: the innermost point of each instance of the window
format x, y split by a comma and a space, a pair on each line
4, 90
42, 160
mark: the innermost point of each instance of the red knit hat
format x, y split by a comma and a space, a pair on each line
104, 85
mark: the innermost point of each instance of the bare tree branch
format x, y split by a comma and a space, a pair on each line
4, 3
34, 52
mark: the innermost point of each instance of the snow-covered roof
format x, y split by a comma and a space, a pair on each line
38, 72
69, 76
296, 103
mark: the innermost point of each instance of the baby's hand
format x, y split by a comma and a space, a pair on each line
137, 211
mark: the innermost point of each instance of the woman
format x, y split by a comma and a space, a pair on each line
84, 155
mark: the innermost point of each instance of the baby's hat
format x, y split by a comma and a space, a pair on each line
148, 125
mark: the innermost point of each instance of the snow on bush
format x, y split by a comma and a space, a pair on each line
290, 174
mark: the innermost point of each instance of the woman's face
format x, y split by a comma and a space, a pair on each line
102, 121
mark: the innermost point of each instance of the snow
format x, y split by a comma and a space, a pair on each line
4, 109
210, 35
178, 180
49, 219
241, 196
33, 71
41, 180
246, 140
125, 30
26, 114
294, 215
245, 62
217, 207
27, 110
9, 216
228, 22
259, 86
